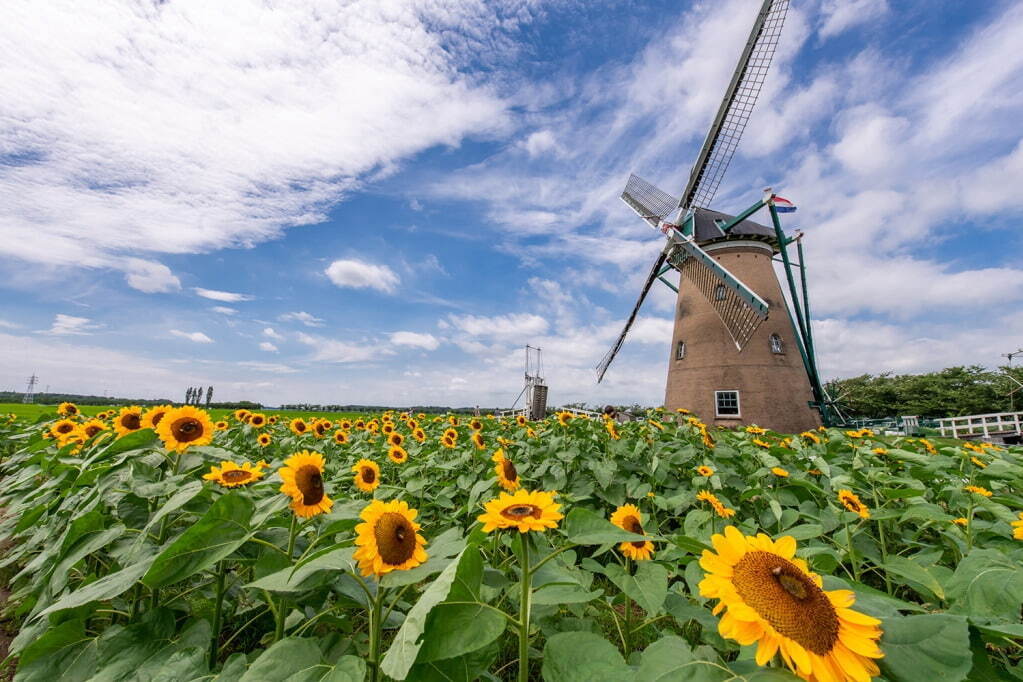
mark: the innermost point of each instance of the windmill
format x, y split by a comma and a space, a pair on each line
729, 357
535, 389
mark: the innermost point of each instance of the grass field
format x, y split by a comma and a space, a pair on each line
33, 412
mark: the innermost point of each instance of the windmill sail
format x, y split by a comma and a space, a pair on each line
738, 306
651, 203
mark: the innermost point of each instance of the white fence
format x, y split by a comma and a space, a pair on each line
983, 425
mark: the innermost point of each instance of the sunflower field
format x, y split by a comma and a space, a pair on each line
161, 544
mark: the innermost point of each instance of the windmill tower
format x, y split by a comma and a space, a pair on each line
739, 355
535, 389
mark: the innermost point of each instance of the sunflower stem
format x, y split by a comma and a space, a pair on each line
852, 553
282, 613
217, 610
524, 595
374, 635
628, 612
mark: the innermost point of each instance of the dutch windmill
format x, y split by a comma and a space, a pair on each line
739, 353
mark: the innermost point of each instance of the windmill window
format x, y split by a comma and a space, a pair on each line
719, 292
776, 345
680, 350
726, 403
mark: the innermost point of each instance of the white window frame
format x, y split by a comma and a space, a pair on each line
680, 350
738, 405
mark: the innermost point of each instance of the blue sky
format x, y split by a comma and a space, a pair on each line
383, 202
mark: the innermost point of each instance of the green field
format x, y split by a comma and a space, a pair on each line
34, 411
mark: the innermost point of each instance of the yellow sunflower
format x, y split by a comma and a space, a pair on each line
778, 471
388, 539
221, 425
1017, 528
761, 443
705, 471
360, 424
257, 420
298, 426
387, 428
851, 502
507, 474
397, 454
979, 462
242, 415
345, 424
530, 432
395, 438
612, 429
184, 427
302, 474
629, 517
719, 508
477, 440
522, 509
230, 475
447, 442
151, 418
475, 425
263, 439
340, 436
129, 419
564, 418
319, 428
961, 521
772, 599
367, 475
879, 451
754, 429
419, 434
273, 419
92, 427
63, 428
453, 420
976, 489
520, 420
67, 409
451, 433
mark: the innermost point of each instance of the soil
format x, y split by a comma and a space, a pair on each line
6, 671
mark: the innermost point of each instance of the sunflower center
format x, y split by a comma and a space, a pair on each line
131, 421
521, 511
236, 476
509, 470
65, 428
186, 429
632, 524
395, 538
853, 504
309, 480
368, 475
91, 431
788, 599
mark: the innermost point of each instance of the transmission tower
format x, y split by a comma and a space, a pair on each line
30, 392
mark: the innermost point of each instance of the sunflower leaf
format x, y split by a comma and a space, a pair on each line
932, 646
586, 527
583, 657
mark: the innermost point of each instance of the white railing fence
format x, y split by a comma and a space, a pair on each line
984, 425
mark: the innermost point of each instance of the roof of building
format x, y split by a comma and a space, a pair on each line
707, 231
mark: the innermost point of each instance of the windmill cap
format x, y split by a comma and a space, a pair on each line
708, 232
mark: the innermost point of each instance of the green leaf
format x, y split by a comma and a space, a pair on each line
63, 654
987, 584
302, 578
805, 531
347, 669
405, 648
583, 657
105, 588
221, 530
467, 668
691, 545
586, 527
648, 587
915, 573
670, 659
133, 441
283, 659
926, 647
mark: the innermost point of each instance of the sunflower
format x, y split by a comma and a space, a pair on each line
153, 415
230, 475
851, 502
530, 432
298, 426
630, 518
682, 410
476, 425
564, 418
961, 521
395, 438
272, 419
241, 415
507, 474
345, 424
388, 539
419, 434
340, 436
451, 433
412, 424
397, 454
257, 420
719, 508
387, 428
1017, 528
754, 429
67, 409
879, 451
522, 509
128, 419
761, 443
453, 420
447, 442
92, 427
979, 462
705, 471
302, 474
184, 427
63, 428
772, 599
263, 439
520, 420
360, 425
477, 440
373, 426
978, 490
367, 475
221, 425
778, 471
810, 436
320, 427
612, 429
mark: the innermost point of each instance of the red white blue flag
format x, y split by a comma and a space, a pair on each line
783, 205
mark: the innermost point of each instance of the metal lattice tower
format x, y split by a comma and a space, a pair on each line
30, 391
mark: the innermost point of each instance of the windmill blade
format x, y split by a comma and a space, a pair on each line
651, 203
736, 107
738, 306
610, 355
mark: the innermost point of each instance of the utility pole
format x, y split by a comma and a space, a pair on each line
30, 392
1012, 394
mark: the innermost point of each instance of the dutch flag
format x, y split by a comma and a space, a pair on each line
783, 205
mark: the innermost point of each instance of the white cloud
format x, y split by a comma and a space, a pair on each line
195, 337
510, 326
9, 325
652, 330
332, 350
269, 331
208, 125
225, 296
539, 142
268, 347
360, 275
300, 316
224, 310
841, 15
150, 277
69, 325
415, 340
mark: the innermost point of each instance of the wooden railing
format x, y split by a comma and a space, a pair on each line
984, 425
